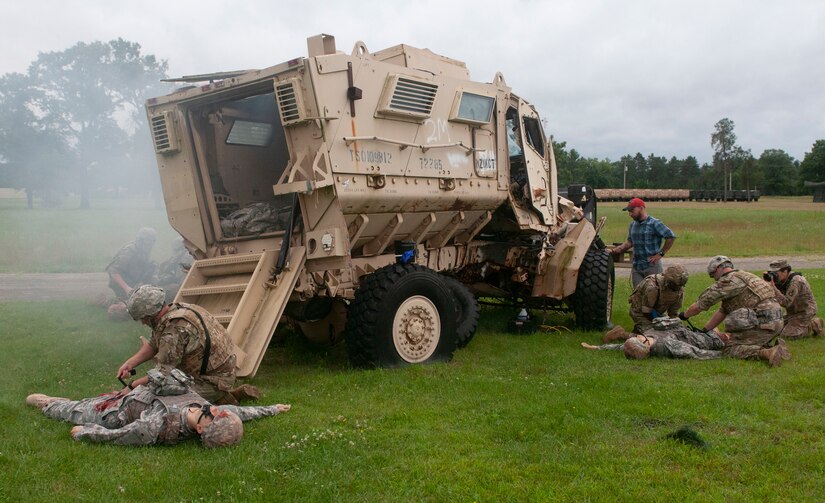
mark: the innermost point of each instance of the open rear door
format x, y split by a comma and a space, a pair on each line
238, 291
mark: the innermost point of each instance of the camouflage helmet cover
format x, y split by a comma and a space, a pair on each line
676, 275
145, 300
716, 261
226, 429
634, 349
778, 265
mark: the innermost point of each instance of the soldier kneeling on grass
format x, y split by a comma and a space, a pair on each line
655, 296
794, 294
164, 411
749, 308
189, 338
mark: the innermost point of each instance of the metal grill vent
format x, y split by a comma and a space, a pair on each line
290, 105
413, 96
407, 99
163, 134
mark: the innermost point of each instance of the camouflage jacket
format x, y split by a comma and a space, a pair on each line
179, 340
681, 342
737, 289
133, 265
652, 294
797, 297
146, 419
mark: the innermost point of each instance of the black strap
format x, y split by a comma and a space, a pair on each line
207, 345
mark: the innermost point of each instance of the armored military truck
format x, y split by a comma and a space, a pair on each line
370, 197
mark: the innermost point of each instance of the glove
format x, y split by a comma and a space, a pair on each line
683, 316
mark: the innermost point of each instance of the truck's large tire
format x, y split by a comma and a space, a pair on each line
593, 299
468, 312
402, 314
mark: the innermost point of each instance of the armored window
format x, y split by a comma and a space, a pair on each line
532, 130
407, 97
473, 108
254, 134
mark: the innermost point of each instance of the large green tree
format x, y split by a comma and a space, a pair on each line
723, 141
812, 168
32, 154
778, 173
93, 96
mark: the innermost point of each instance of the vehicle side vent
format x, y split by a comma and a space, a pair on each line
290, 104
407, 97
163, 133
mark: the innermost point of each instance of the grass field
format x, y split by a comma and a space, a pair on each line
73, 240
515, 418
771, 226
511, 418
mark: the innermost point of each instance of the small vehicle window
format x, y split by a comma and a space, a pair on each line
532, 130
254, 134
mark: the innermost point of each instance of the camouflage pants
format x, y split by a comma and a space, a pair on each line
84, 411
747, 343
641, 322
797, 326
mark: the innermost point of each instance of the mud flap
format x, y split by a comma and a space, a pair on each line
560, 272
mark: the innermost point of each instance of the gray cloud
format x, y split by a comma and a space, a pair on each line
609, 77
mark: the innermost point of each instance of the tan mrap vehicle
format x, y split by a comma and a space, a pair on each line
369, 197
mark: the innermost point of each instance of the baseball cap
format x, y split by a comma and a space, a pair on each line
634, 203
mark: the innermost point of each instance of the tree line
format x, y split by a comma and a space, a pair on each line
774, 172
74, 122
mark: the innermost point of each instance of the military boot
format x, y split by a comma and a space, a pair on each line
40, 400
616, 333
783, 350
771, 355
816, 326
246, 392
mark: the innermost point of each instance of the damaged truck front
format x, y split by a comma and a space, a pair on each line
369, 197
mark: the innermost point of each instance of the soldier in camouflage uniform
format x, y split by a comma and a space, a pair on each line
132, 265
794, 294
172, 271
667, 338
165, 411
187, 337
752, 316
657, 295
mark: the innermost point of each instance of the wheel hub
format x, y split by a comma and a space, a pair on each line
416, 329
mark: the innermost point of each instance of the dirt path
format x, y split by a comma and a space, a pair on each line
45, 287
699, 264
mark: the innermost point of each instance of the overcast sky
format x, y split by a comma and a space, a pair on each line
610, 77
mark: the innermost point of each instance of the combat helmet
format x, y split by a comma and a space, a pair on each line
676, 275
226, 429
145, 300
716, 261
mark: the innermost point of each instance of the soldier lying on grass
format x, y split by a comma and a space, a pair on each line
164, 411
681, 342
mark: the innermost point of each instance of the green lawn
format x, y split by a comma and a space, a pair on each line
73, 240
511, 418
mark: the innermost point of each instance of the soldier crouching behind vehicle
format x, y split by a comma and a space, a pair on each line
164, 411
794, 294
189, 338
752, 316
